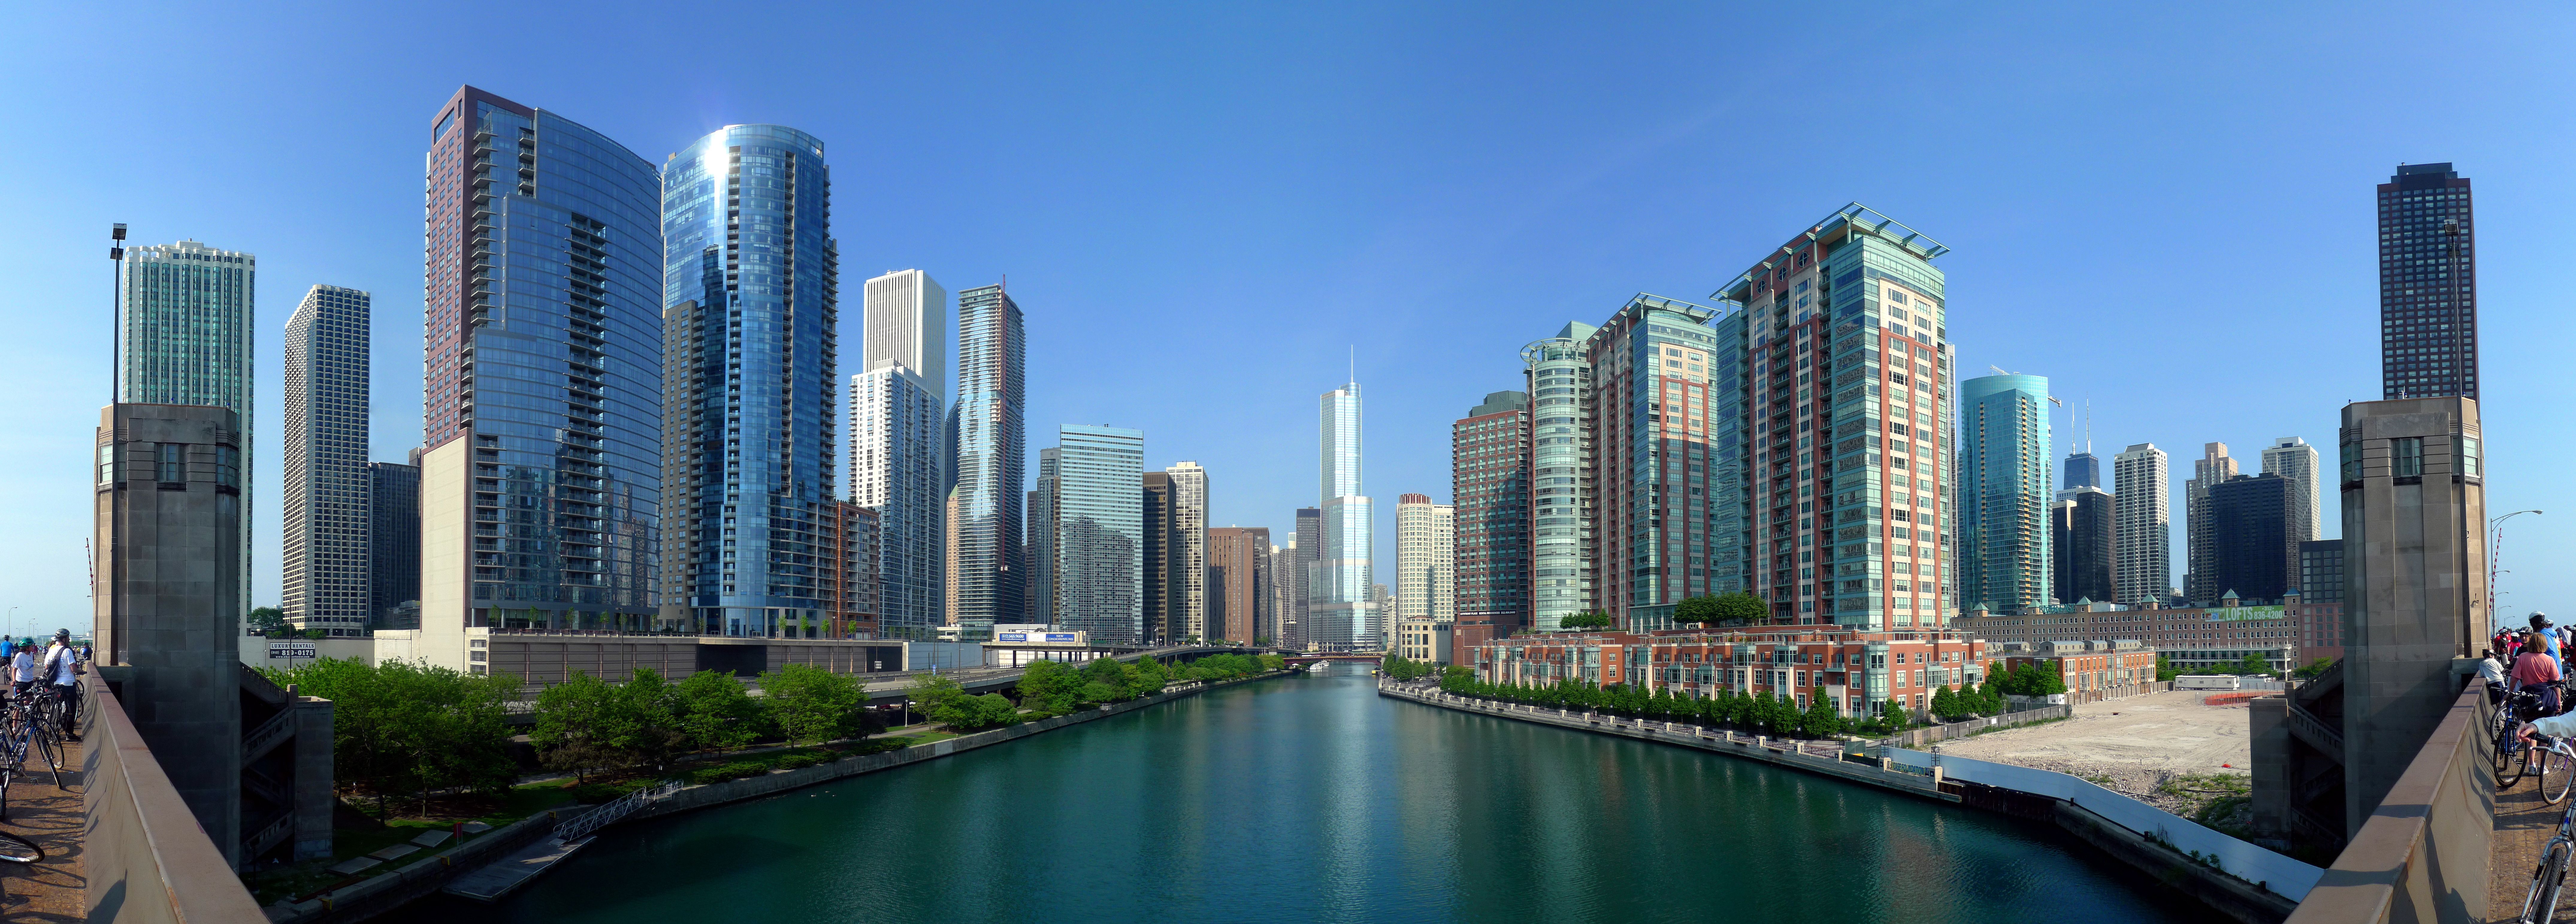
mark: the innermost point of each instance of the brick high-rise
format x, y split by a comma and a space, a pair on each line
1489, 477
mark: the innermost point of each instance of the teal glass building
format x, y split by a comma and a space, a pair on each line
751, 312
1098, 516
988, 429
184, 336
1559, 380
2006, 559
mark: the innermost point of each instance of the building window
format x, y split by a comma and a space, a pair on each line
2406, 456
2469, 460
171, 463
107, 464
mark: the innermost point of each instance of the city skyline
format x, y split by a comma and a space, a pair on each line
2131, 408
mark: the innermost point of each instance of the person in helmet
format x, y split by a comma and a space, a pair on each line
2547, 631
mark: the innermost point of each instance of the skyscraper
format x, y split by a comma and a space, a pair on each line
1238, 584
1308, 548
2143, 518
751, 305
984, 569
393, 582
1189, 549
1341, 608
2200, 568
2083, 470
1489, 476
1159, 620
2292, 458
2005, 559
330, 499
1559, 381
900, 459
2428, 280
185, 337
542, 423
1650, 367
846, 570
1830, 387
907, 322
2249, 516
899, 466
1426, 559
2082, 526
1038, 589
1099, 533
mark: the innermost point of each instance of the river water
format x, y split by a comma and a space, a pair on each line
1313, 799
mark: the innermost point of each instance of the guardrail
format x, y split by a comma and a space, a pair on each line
2422, 856
144, 856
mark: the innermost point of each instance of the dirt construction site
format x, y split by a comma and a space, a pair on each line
2131, 745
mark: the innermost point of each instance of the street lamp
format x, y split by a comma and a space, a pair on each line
2495, 547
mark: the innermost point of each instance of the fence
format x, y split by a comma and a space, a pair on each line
1922, 736
145, 858
2280, 875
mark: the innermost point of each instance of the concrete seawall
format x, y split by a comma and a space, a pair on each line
2236, 899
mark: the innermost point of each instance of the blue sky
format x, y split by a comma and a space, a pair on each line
1203, 207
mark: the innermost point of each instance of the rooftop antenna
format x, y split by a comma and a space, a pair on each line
2088, 426
1355, 364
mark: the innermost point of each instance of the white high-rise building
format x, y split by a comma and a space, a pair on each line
1189, 546
2200, 545
1426, 559
1342, 606
907, 321
2142, 523
899, 465
329, 505
2292, 458
184, 336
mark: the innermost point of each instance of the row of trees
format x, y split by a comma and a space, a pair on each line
588, 725
1053, 688
1759, 713
405, 730
1704, 610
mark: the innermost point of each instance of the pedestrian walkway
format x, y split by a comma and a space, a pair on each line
507, 874
2523, 825
54, 890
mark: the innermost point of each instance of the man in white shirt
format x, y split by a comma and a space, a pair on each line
61, 666
22, 669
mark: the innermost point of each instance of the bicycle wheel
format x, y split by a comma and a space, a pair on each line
2505, 745
2512, 764
53, 756
2541, 903
2557, 770
15, 849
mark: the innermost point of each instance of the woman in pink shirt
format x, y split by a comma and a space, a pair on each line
2534, 666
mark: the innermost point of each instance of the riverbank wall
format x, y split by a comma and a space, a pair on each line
2205, 865
431, 872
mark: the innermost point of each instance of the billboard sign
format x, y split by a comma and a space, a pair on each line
291, 649
1012, 637
1059, 638
2246, 613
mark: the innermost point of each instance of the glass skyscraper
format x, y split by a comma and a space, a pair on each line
750, 308
2007, 563
542, 413
1099, 545
329, 498
1560, 387
899, 451
1340, 587
2428, 282
184, 336
1650, 400
991, 438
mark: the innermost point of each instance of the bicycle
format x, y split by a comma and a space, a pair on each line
2513, 756
27, 733
2540, 904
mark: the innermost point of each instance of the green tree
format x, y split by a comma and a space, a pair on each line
1821, 721
1893, 716
1049, 687
2313, 668
938, 698
1588, 619
270, 621
1110, 674
715, 713
1271, 663
576, 720
2165, 669
652, 706
1699, 610
1741, 607
402, 728
810, 704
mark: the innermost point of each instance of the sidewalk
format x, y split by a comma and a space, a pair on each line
2523, 825
56, 889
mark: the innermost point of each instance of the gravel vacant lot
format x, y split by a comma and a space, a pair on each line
2135, 743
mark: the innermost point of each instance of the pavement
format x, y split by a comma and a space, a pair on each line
2136, 743
56, 889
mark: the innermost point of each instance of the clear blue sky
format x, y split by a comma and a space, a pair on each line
1202, 206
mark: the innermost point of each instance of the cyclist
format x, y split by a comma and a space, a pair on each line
2542, 627
62, 666
2491, 671
2536, 668
22, 669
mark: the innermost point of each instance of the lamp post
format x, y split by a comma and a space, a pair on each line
115, 312
2495, 547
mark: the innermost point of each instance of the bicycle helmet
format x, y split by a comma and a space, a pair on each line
63, 634
2540, 620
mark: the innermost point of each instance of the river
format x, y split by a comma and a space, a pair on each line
1313, 799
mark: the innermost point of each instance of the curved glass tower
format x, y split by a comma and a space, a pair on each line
1560, 387
990, 435
542, 404
750, 307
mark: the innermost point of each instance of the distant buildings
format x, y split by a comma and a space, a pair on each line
1651, 397
328, 507
900, 460
2428, 275
2319, 611
845, 573
2005, 559
1489, 477
2250, 554
393, 560
547, 409
1189, 549
1426, 556
1308, 548
1161, 616
185, 337
1341, 609
2200, 567
2292, 458
750, 326
1098, 545
2143, 522
985, 574
2081, 538
1239, 592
